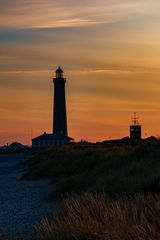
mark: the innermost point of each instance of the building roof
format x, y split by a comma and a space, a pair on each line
16, 145
51, 136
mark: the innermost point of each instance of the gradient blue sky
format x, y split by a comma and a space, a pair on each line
109, 50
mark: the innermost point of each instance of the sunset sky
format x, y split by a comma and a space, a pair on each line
109, 51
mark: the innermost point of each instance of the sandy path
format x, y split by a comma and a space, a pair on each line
21, 204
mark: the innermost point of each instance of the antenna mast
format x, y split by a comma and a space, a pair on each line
135, 119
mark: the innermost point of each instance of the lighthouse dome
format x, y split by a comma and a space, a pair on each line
59, 70
59, 73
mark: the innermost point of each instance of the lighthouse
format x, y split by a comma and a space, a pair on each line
59, 112
59, 135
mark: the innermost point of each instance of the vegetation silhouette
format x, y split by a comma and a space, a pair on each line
119, 168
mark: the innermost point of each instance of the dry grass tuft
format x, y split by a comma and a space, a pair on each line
97, 218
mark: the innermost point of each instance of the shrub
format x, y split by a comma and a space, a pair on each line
121, 170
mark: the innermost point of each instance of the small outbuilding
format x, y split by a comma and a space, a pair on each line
135, 129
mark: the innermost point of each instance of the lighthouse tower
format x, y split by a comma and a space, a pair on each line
59, 112
59, 135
